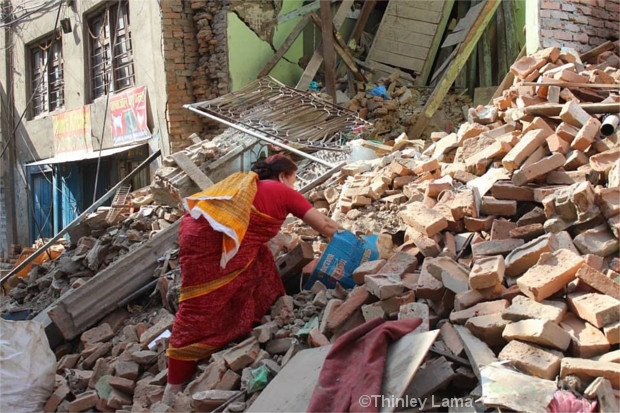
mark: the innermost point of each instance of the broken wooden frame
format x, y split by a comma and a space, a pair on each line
82, 216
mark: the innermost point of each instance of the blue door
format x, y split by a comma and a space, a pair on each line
70, 182
42, 204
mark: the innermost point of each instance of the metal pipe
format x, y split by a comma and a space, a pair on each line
610, 124
259, 136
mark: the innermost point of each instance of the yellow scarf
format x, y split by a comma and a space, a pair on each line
226, 206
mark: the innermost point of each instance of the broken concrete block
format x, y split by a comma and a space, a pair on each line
543, 332
588, 370
423, 219
487, 272
526, 256
550, 274
598, 309
283, 310
587, 341
369, 267
532, 359
485, 308
383, 286
523, 308
416, 310
599, 241
488, 328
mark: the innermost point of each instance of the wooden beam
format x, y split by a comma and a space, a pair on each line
511, 32
189, 167
317, 57
502, 62
360, 24
83, 215
508, 79
484, 60
432, 52
608, 45
450, 75
574, 85
285, 46
329, 58
554, 110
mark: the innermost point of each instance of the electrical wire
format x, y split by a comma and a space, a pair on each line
28, 14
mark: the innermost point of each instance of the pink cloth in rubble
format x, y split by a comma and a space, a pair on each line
354, 366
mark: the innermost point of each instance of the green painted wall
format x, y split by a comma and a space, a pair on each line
248, 54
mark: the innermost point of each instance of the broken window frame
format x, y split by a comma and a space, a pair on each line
110, 72
47, 84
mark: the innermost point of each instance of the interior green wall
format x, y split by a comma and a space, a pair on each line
248, 54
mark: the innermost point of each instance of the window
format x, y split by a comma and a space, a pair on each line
110, 73
47, 83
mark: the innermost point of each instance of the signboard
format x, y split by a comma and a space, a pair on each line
72, 133
128, 116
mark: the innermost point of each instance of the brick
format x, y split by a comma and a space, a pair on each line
243, 354
573, 114
524, 308
532, 359
383, 286
488, 328
598, 309
567, 75
101, 349
282, 310
84, 401
495, 247
495, 150
528, 232
450, 338
427, 246
428, 286
557, 144
428, 166
478, 353
67, 361
472, 297
416, 310
501, 229
575, 159
508, 190
612, 332
551, 273
586, 340
586, 135
598, 241
453, 275
398, 265
485, 308
528, 143
423, 219
526, 256
538, 169
117, 399
567, 131
469, 130
462, 204
59, 394
487, 272
122, 384
599, 281
127, 369
536, 331
535, 216
369, 267
316, 339
164, 322
479, 224
553, 94
501, 207
267, 331
358, 297
102, 332
588, 370
526, 65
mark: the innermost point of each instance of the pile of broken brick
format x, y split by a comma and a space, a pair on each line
503, 235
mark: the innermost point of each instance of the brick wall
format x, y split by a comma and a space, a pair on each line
194, 34
580, 24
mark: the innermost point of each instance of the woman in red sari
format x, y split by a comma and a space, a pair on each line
228, 275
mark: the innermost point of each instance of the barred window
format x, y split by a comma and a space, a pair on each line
110, 71
47, 81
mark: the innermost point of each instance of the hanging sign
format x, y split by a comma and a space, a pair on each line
72, 132
128, 116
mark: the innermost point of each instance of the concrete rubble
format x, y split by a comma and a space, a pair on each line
503, 235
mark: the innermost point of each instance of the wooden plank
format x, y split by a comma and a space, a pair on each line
443, 66
189, 167
361, 21
555, 109
403, 359
329, 56
439, 32
407, 12
465, 50
284, 46
512, 47
399, 60
418, 27
575, 85
404, 49
508, 80
391, 69
470, 18
608, 45
484, 59
291, 389
433, 5
402, 35
317, 57
502, 63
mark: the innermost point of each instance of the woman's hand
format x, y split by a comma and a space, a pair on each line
321, 223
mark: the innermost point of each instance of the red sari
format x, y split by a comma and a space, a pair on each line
218, 305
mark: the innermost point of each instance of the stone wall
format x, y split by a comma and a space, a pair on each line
580, 24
